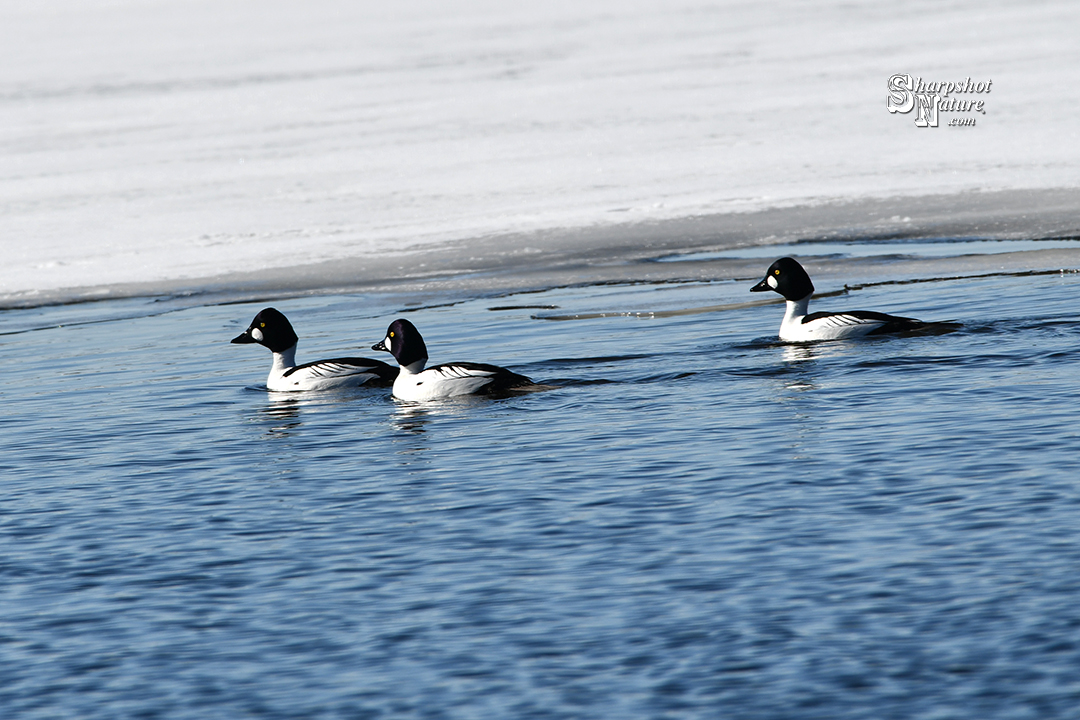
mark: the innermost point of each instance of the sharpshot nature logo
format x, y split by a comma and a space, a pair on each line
929, 99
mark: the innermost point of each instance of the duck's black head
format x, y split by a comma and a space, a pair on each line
270, 329
787, 277
404, 342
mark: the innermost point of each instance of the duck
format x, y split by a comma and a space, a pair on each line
788, 278
417, 383
272, 330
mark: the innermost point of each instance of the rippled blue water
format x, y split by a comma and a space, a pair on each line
700, 522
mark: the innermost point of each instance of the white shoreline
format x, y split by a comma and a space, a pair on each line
523, 262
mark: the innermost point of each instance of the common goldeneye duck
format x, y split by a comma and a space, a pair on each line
273, 330
787, 277
416, 384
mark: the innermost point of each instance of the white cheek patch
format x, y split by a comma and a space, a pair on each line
771, 280
387, 342
257, 334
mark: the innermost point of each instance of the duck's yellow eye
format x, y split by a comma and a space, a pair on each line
776, 272
262, 324
391, 333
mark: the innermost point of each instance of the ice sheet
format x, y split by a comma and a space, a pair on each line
162, 143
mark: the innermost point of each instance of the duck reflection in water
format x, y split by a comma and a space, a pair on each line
411, 419
282, 414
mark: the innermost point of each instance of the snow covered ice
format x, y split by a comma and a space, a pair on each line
147, 142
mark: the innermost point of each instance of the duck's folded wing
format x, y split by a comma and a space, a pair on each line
873, 322
342, 368
480, 377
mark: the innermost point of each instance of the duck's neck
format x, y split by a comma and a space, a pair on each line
284, 360
796, 309
414, 368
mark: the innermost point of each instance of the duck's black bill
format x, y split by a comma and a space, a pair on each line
242, 339
379, 346
761, 286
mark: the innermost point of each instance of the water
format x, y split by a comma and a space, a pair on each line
699, 522
919, 247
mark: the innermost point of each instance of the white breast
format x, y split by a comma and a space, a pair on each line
440, 382
832, 327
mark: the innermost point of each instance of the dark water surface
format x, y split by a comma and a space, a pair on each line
701, 522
